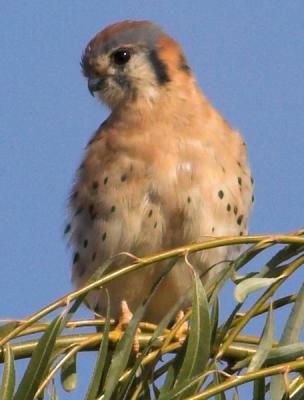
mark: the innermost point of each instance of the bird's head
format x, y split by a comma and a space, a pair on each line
132, 60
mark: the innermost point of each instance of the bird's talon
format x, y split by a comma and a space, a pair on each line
183, 330
124, 319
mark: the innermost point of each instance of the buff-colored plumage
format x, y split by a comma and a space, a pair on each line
165, 169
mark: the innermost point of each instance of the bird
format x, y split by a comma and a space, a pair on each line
163, 170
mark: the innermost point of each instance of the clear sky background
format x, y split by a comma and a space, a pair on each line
248, 57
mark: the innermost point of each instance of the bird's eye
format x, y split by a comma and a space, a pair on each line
121, 56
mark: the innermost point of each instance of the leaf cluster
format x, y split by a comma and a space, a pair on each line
217, 355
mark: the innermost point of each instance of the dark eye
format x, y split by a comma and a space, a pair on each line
121, 56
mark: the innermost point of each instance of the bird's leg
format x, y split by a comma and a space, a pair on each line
125, 316
183, 330
124, 319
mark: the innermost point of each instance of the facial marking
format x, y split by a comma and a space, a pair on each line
159, 67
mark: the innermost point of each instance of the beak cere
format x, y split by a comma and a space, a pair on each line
95, 84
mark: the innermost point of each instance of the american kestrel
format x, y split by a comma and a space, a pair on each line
163, 170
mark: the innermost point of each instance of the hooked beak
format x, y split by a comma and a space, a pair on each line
95, 84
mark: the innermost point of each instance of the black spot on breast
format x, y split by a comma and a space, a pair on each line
155, 225
67, 229
159, 67
189, 199
241, 233
105, 181
85, 243
240, 219
95, 185
252, 198
228, 208
113, 208
75, 258
74, 195
240, 181
79, 210
150, 213
235, 210
92, 212
220, 194
93, 256
123, 177
251, 180
104, 236
213, 229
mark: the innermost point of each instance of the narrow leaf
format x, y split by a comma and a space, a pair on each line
298, 394
214, 318
122, 353
125, 345
290, 334
295, 321
158, 331
39, 362
265, 344
248, 286
198, 347
198, 342
173, 372
286, 353
259, 389
68, 374
8, 377
93, 389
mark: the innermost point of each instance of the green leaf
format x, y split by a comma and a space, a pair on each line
295, 321
290, 334
39, 362
259, 389
265, 344
172, 372
223, 329
68, 374
248, 286
8, 377
125, 345
197, 345
286, 353
93, 390
298, 394
158, 331
214, 319
122, 354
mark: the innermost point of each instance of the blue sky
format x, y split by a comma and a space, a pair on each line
248, 57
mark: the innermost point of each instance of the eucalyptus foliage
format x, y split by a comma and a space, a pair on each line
218, 354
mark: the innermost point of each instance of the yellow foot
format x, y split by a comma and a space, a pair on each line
183, 330
124, 319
